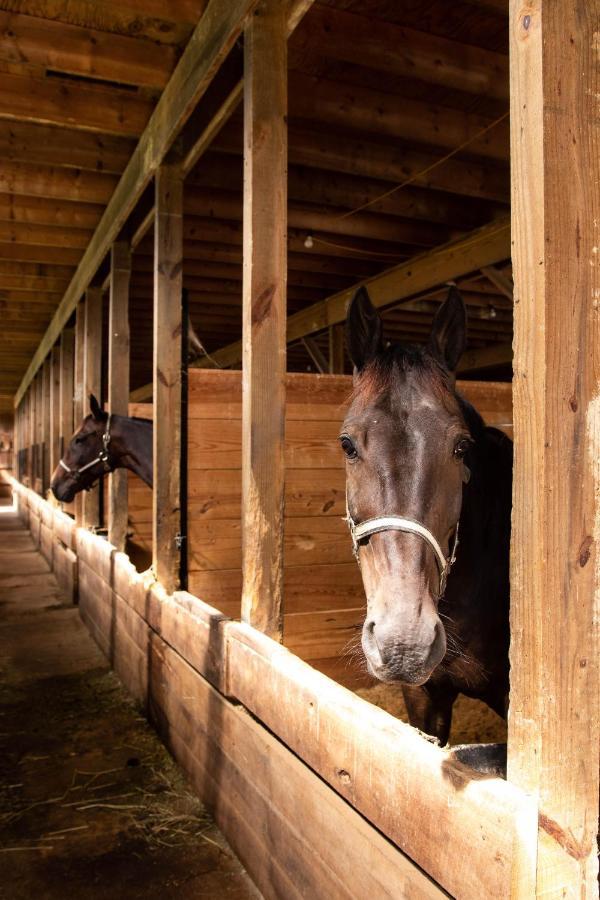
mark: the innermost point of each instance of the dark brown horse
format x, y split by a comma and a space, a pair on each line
101, 444
422, 471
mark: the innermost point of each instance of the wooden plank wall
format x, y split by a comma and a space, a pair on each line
322, 587
302, 790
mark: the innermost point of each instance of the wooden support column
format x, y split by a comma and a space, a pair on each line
554, 717
39, 431
30, 433
336, 349
168, 266
264, 316
55, 449
118, 381
92, 381
78, 389
67, 362
46, 423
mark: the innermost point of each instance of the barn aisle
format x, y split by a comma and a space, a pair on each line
91, 805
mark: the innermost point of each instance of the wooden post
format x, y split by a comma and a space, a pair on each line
168, 263
118, 381
55, 450
67, 362
46, 430
78, 389
92, 380
39, 431
336, 349
264, 316
30, 437
554, 717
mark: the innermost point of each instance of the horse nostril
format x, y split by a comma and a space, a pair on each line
371, 627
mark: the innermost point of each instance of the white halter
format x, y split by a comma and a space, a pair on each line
101, 458
411, 526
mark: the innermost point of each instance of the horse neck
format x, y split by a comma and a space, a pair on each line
131, 446
485, 516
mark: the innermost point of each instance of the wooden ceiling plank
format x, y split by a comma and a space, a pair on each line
56, 183
366, 158
53, 145
152, 20
83, 51
56, 101
402, 51
45, 211
38, 253
375, 112
486, 246
212, 39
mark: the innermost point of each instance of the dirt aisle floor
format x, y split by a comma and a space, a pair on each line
91, 804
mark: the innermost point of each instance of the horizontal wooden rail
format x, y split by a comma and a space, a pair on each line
410, 789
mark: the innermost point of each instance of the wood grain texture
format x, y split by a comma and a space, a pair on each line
78, 388
55, 430
264, 315
412, 790
485, 246
92, 384
168, 262
118, 380
208, 46
67, 362
554, 720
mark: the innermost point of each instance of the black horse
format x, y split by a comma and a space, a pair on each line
101, 444
429, 505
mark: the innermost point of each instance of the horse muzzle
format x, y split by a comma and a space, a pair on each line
395, 656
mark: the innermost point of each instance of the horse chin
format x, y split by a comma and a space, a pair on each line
394, 675
62, 494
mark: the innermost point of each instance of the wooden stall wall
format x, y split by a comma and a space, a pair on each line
323, 590
301, 789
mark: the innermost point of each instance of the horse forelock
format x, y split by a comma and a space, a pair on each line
387, 374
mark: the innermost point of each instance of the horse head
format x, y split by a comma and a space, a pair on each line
86, 458
407, 447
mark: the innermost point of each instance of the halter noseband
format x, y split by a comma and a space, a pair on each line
101, 458
398, 523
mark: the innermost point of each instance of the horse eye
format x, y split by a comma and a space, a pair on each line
461, 448
348, 447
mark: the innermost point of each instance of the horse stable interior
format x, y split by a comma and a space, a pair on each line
239, 167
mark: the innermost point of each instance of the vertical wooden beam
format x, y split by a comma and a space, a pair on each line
264, 316
168, 266
39, 431
29, 435
78, 389
118, 381
92, 380
46, 435
67, 363
554, 717
336, 349
54, 409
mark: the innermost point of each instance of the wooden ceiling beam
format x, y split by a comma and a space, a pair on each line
208, 46
406, 52
355, 108
60, 101
83, 51
56, 183
367, 158
52, 145
486, 246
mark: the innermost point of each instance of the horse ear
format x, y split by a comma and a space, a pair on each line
96, 409
364, 330
448, 336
